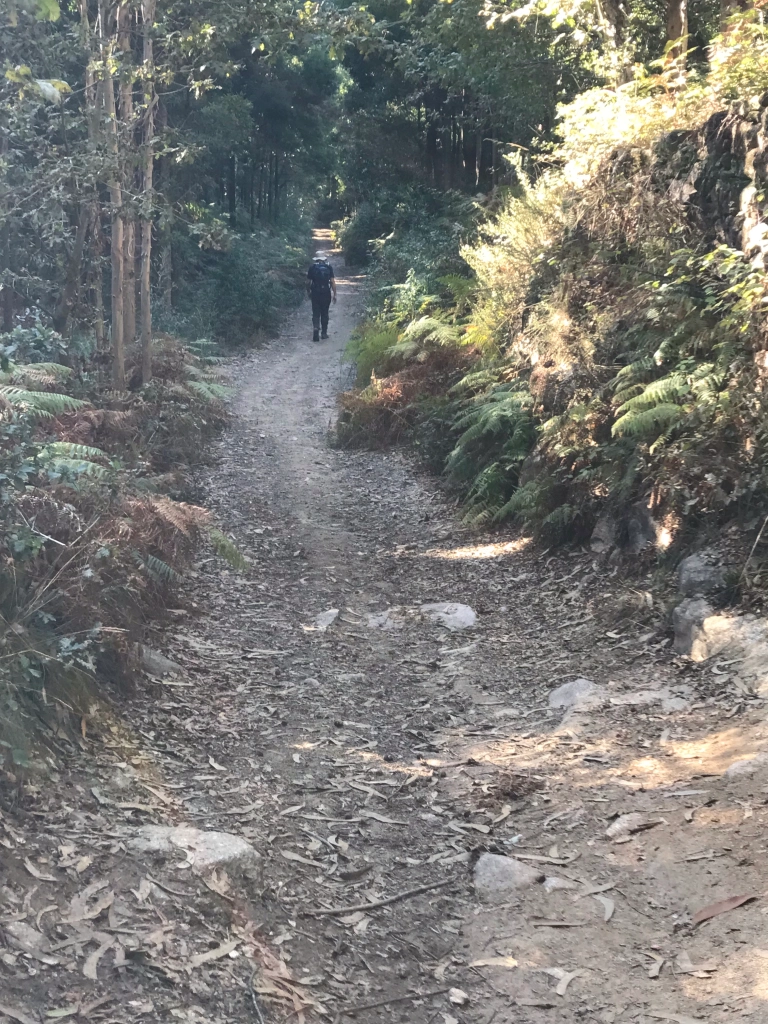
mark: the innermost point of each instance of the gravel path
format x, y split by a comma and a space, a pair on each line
371, 756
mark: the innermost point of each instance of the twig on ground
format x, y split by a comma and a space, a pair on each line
395, 999
334, 911
749, 556
167, 888
257, 1008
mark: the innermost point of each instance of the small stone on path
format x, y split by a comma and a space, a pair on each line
156, 664
450, 614
496, 874
579, 691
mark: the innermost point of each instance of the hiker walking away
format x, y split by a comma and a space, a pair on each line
321, 285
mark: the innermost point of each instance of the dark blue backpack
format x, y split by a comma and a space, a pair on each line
320, 275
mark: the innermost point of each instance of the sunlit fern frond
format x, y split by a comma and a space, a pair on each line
648, 423
40, 375
428, 329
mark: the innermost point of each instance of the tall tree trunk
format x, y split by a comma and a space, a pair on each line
6, 290
92, 103
148, 18
232, 191
251, 197
129, 280
162, 172
97, 249
129, 232
277, 186
677, 28
72, 277
269, 188
614, 17
116, 203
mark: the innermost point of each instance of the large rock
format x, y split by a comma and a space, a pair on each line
687, 621
450, 614
203, 850
605, 535
642, 529
577, 693
747, 767
495, 874
698, 575
701, 633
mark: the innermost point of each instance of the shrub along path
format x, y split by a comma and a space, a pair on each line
370, 766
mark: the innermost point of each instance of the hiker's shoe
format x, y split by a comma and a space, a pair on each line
324, 337
316, 336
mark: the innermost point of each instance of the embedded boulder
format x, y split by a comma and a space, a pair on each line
495, 874
202, 850
699, 575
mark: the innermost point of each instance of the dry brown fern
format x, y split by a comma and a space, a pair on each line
187, 519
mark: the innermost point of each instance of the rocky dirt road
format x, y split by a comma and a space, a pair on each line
373, 757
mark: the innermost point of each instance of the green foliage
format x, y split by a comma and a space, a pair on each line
357, 234
616, 328
228, 550
496, 433
42, 404
67, 462
237, 295
370, 349
210, 391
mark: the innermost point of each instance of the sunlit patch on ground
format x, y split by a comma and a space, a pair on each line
479, 552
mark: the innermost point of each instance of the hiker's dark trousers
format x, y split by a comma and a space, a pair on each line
320, 308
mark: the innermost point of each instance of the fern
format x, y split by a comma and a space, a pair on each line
209, 391
40, 403
185, 518
644, 423
60, 458
429, 329
658, 392
160, 571
205, 350
227, 550
66, 450
157, 570
634, 371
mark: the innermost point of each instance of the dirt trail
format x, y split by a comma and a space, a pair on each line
364, 763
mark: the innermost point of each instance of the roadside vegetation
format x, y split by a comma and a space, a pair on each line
160, 165
560, 210
581, 329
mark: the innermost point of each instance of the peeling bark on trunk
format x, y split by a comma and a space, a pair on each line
116, 203
129, 230
148, 17
677, 28
74, 263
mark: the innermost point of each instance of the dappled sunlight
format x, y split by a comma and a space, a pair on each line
603, 759
479, 552
371, 759
742, 975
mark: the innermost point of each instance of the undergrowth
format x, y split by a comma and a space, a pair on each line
95, 531
601, 339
